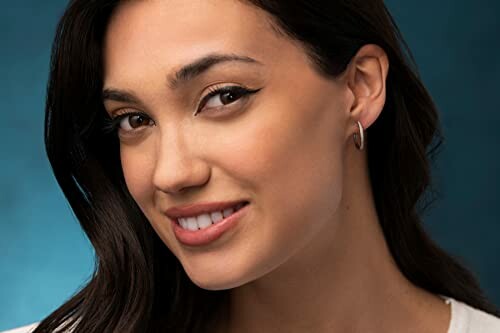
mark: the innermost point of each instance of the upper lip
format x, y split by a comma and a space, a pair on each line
200, 208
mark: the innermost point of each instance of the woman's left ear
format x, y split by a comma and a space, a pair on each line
366, 78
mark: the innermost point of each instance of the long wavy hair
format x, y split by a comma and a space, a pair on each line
138, 285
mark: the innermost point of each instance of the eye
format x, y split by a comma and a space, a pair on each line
127, 122
220, 97
132, 121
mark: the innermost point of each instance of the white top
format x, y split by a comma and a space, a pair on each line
464, 319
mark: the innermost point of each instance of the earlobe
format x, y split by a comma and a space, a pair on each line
367, 82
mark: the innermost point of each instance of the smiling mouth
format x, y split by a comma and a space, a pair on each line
206, 220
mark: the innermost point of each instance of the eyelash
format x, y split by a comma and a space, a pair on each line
112, 124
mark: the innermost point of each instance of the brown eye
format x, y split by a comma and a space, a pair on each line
130, 122
228, 97
225, 97
221, 97
136, 121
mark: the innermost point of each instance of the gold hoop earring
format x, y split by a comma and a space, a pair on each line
361, 144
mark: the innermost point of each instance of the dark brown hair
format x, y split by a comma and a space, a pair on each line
137, 284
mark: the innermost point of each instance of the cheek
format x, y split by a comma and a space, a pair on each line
137, 166
302, 173
292, 156
291, 160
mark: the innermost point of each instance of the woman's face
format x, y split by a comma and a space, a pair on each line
280, 148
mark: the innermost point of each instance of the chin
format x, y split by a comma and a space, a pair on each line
217, 284
221, 279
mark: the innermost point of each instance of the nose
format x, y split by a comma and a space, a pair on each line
177, 168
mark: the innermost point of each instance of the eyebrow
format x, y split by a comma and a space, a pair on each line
183, 75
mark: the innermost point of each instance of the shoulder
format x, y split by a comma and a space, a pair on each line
24, 329
483, 322
466, 318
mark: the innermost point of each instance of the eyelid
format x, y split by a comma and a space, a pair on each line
112, 123
221, 89
212, 91
125, 111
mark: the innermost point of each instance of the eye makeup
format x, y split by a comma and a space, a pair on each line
233, 93
236, 93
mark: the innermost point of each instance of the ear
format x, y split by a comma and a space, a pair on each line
366, 80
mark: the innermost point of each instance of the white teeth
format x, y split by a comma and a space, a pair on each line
228, 211
204, 220
182, 222
216, 217
191, 223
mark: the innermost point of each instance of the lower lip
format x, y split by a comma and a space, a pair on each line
210, 234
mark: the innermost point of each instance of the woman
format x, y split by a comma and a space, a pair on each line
250, 166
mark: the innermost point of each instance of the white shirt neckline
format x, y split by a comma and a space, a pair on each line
463, 319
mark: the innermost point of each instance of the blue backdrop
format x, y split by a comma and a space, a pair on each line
45, 257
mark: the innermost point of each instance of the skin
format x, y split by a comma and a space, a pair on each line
309, 256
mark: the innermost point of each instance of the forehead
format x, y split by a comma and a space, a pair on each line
148, 33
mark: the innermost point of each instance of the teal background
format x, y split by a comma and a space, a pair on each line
45, 257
